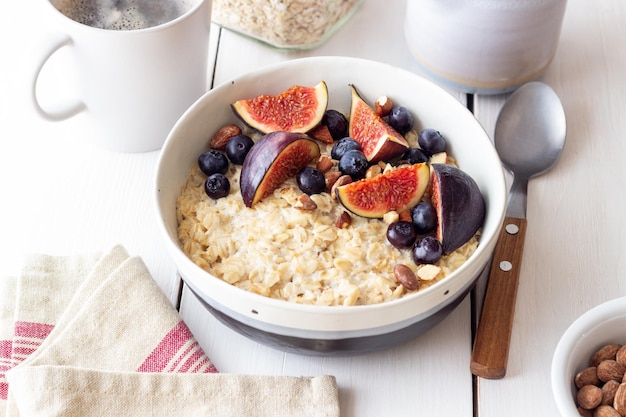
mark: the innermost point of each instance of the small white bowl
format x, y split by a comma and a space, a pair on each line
602, 325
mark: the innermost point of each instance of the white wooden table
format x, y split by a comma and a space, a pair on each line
60, 196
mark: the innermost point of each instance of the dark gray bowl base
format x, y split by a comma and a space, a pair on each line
334, 347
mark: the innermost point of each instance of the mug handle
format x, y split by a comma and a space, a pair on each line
63, 110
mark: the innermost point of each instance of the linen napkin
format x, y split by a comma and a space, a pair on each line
94, 335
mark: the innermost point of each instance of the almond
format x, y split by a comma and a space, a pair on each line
383, 106
221, 138
342, 180
324, 164
405, 216
321, 133
406, 277
305, 203
344, 220
331, 177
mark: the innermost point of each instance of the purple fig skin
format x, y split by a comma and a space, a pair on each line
274, 158
461, 207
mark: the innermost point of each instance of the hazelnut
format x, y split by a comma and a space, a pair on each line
606, 352
619, 402
620, 356
588, 376
606, 411
610, 370
608, 392
589, 397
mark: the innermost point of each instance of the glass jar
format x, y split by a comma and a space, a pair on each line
289, 24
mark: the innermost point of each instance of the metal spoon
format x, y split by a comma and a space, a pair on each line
529, 137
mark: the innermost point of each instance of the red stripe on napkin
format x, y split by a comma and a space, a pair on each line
32, 330
4, 389
178, 352
5, 349
6, 363
27, 336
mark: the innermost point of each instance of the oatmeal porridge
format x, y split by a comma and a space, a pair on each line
279, 251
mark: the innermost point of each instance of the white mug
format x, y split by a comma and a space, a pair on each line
484, 46
132, 84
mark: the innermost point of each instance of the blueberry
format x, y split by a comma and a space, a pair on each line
427, 250
342, 146
401, 234
213, 161
217, 186
336, 122
415, 156
238, 147
424, 217
353, 163
400, 118
431, 141
311, 180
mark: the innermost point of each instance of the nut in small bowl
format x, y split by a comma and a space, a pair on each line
586, 366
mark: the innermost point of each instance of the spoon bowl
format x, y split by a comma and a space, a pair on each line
530, 131
529, 137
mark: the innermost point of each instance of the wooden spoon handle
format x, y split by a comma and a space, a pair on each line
493, 337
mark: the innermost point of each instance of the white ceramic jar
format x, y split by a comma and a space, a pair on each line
484, 46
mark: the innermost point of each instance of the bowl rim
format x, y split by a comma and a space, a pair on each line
563, 370
496, 208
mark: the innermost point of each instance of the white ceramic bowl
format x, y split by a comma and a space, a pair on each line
332, 330
602, 325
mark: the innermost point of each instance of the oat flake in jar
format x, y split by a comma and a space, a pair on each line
484, 46
289, 24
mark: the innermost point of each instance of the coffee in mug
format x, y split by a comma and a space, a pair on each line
123, 14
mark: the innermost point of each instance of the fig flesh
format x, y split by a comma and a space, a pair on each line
297, 109
378, 140
459, 203
274, 158
398, 189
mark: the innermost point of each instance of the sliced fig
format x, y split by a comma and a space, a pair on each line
397, 189
297, 109
274, 158
459, 203
378, 140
